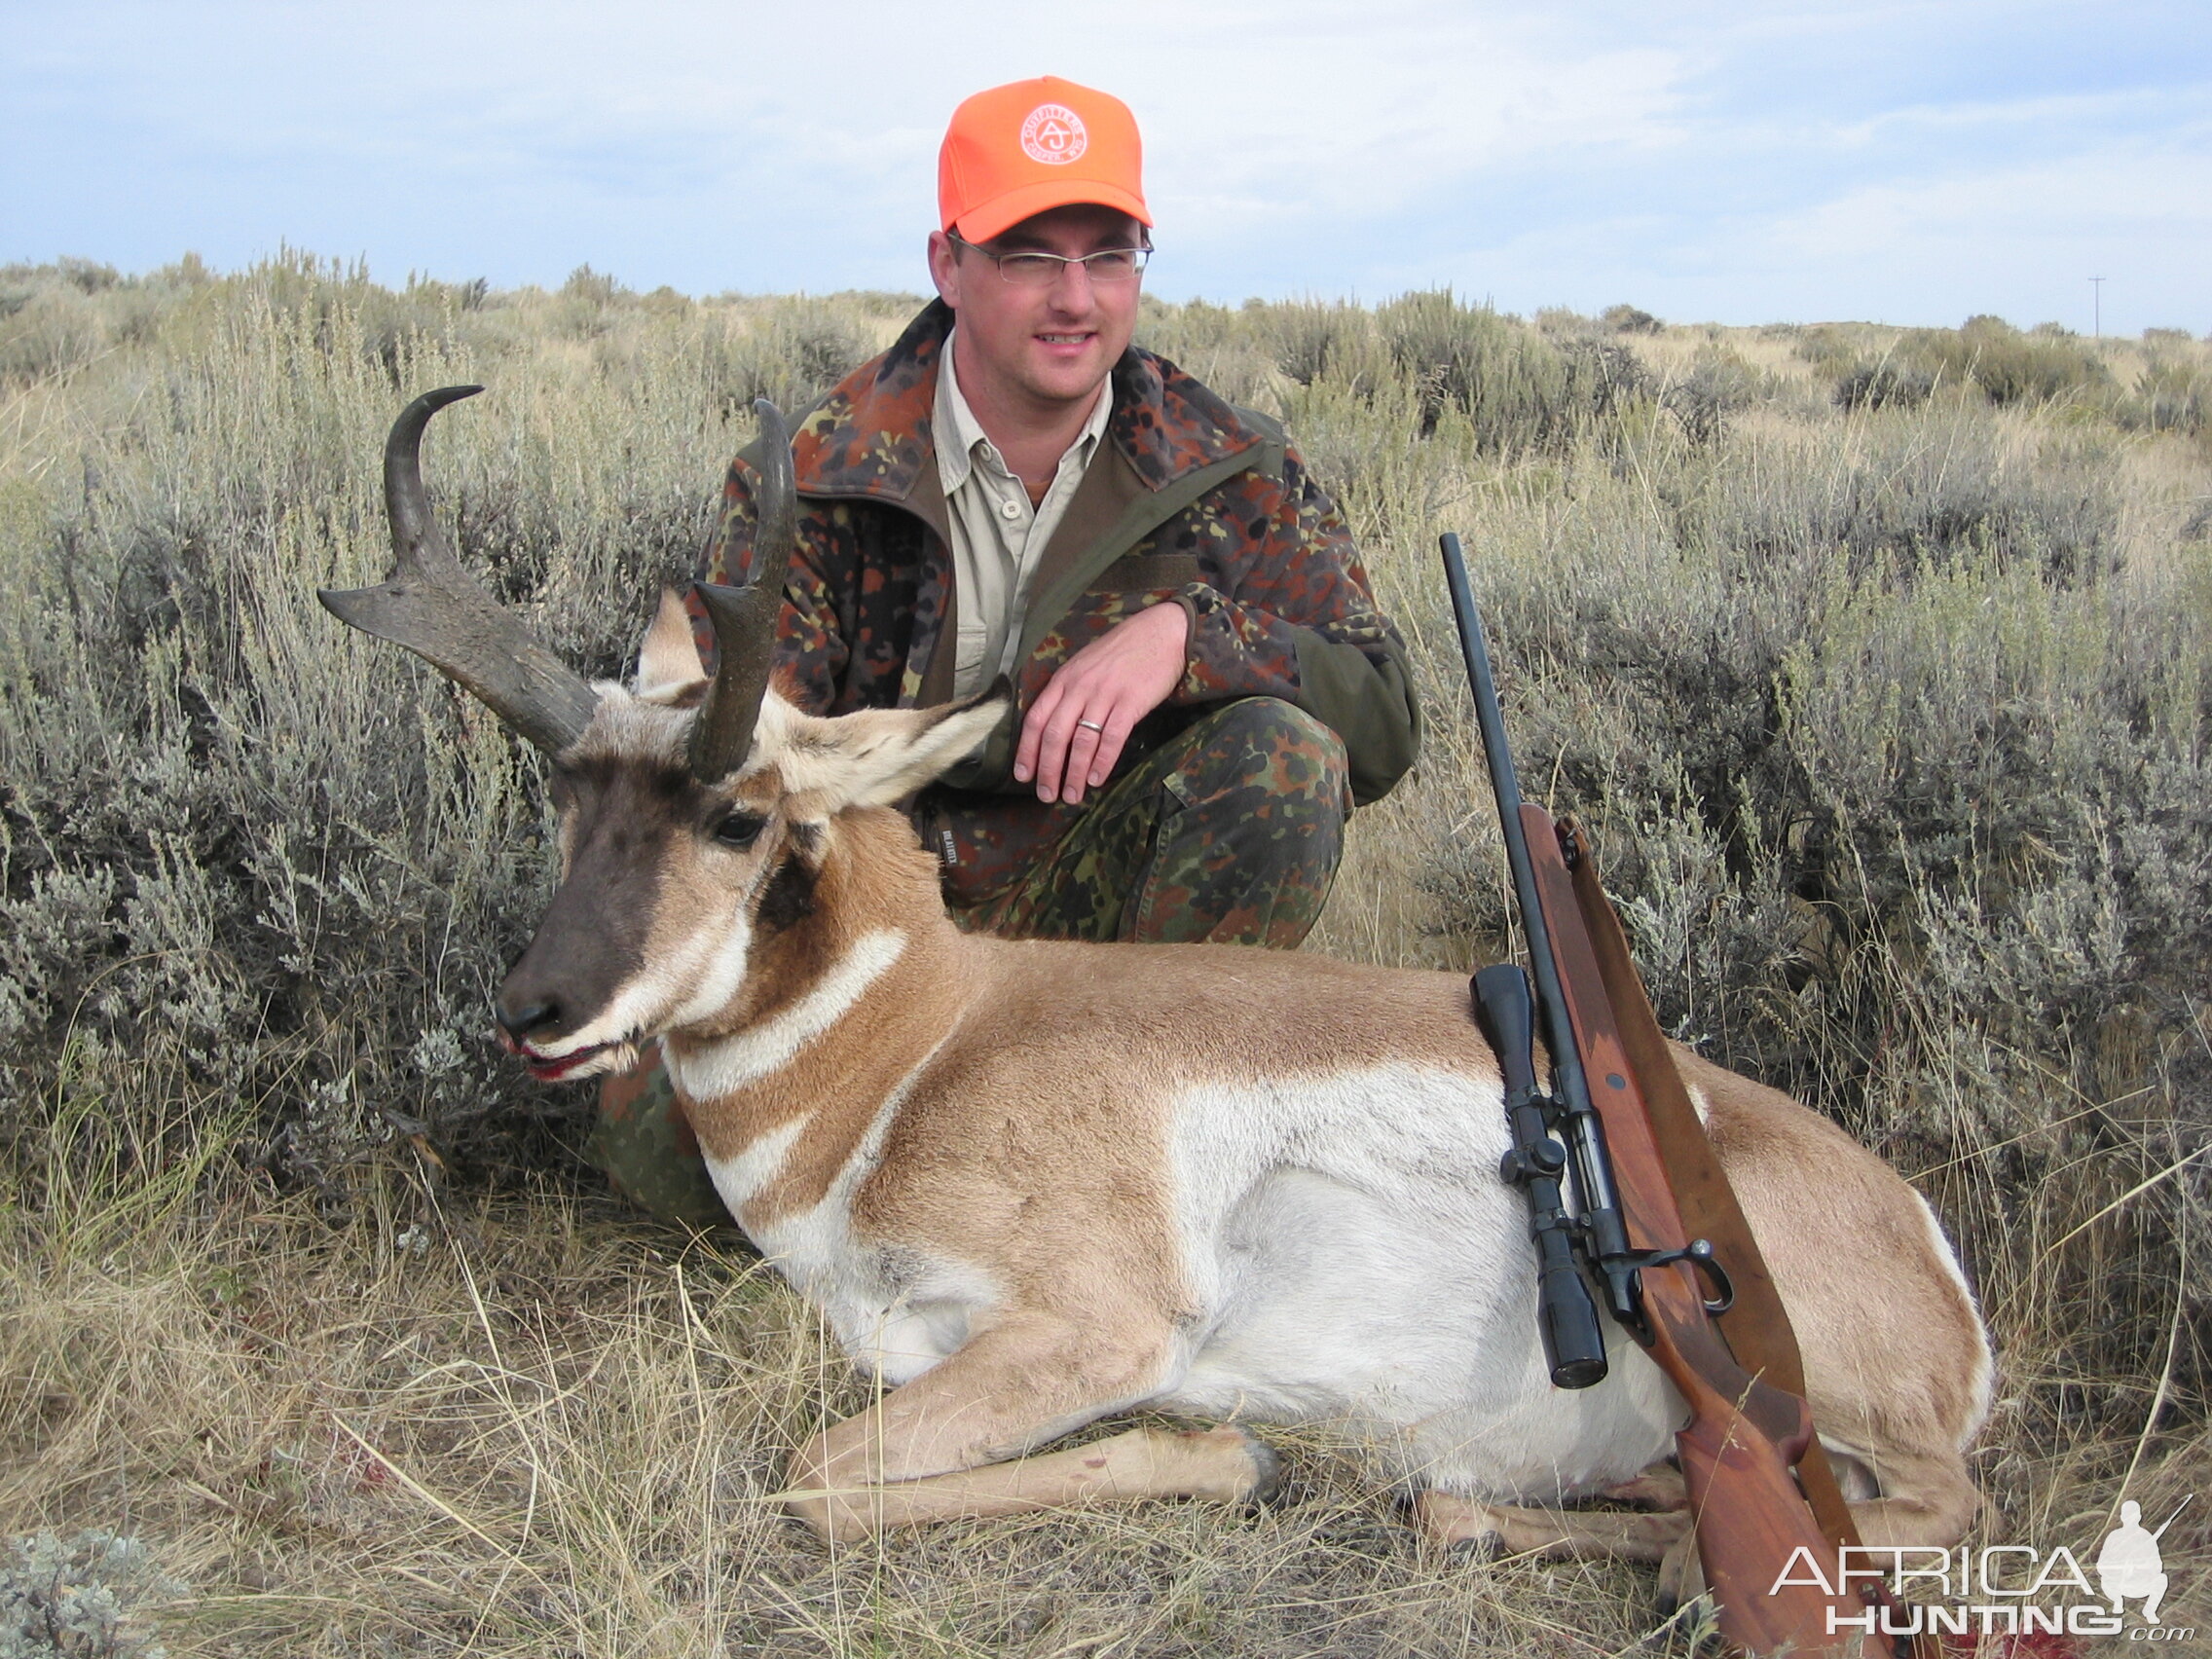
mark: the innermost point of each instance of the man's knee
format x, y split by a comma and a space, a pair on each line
1249, 848
1267, 751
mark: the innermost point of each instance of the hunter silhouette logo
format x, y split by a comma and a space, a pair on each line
1053, 134
2128, 1564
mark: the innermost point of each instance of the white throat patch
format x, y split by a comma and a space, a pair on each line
720, 1068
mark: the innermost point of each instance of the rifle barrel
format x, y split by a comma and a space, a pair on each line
1566, 1064
1593, 1170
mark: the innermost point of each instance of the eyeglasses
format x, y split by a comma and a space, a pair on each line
1031, 268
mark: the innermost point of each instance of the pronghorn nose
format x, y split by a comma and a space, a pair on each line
519, 1023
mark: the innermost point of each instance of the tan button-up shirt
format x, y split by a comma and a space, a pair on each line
997, 536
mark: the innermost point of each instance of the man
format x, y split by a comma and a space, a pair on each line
1203, 685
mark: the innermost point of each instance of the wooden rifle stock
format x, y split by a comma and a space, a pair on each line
1756, 1327
1746, 1431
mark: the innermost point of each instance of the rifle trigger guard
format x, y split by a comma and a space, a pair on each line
1699, 1254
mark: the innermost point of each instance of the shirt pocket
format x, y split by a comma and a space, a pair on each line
968, 658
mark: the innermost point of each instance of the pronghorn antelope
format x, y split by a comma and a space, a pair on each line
1032, 1184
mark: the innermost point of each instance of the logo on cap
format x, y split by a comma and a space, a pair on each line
1053, 134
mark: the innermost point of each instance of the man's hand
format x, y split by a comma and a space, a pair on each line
1075, 730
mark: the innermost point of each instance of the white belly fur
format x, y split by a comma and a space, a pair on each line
1385, 1281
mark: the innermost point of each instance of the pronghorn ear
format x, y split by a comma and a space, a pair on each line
881, 756
668, 657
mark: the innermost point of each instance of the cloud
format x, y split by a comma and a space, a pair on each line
2020, 239
1328, 120
1914, 162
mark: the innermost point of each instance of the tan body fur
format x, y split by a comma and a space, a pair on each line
1035, 1184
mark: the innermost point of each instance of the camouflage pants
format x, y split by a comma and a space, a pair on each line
1229, 833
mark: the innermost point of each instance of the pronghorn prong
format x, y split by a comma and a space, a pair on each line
436, 608
745, 618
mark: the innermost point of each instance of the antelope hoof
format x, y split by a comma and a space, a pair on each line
1268, 1472
1458, 1524
1681, 1580
1659, 1488
1263, 1474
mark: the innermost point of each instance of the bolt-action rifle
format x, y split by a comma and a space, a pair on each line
1624, 1192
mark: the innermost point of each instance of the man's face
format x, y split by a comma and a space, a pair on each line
1037, 350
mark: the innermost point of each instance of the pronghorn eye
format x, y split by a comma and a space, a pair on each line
740, 829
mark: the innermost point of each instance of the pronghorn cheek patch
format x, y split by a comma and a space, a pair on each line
789, 897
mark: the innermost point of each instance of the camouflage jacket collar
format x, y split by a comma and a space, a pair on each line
871, 434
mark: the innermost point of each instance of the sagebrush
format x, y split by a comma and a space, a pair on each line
1876, 659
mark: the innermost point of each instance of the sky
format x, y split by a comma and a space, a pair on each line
1741, 164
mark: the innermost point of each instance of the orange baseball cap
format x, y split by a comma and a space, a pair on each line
1020, 149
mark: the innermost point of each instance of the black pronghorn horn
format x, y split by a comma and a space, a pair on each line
440, 612
745, 618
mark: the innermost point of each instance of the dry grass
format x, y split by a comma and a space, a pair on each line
532, 1427
1892, 722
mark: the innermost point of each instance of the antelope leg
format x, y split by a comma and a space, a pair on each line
1642, 1535
1225, 1464
951, 1442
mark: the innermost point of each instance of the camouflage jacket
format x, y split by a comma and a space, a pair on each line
1189, 501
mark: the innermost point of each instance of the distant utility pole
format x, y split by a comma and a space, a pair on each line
2098, 287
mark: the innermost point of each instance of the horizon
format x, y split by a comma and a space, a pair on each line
338, 268
1910, 167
